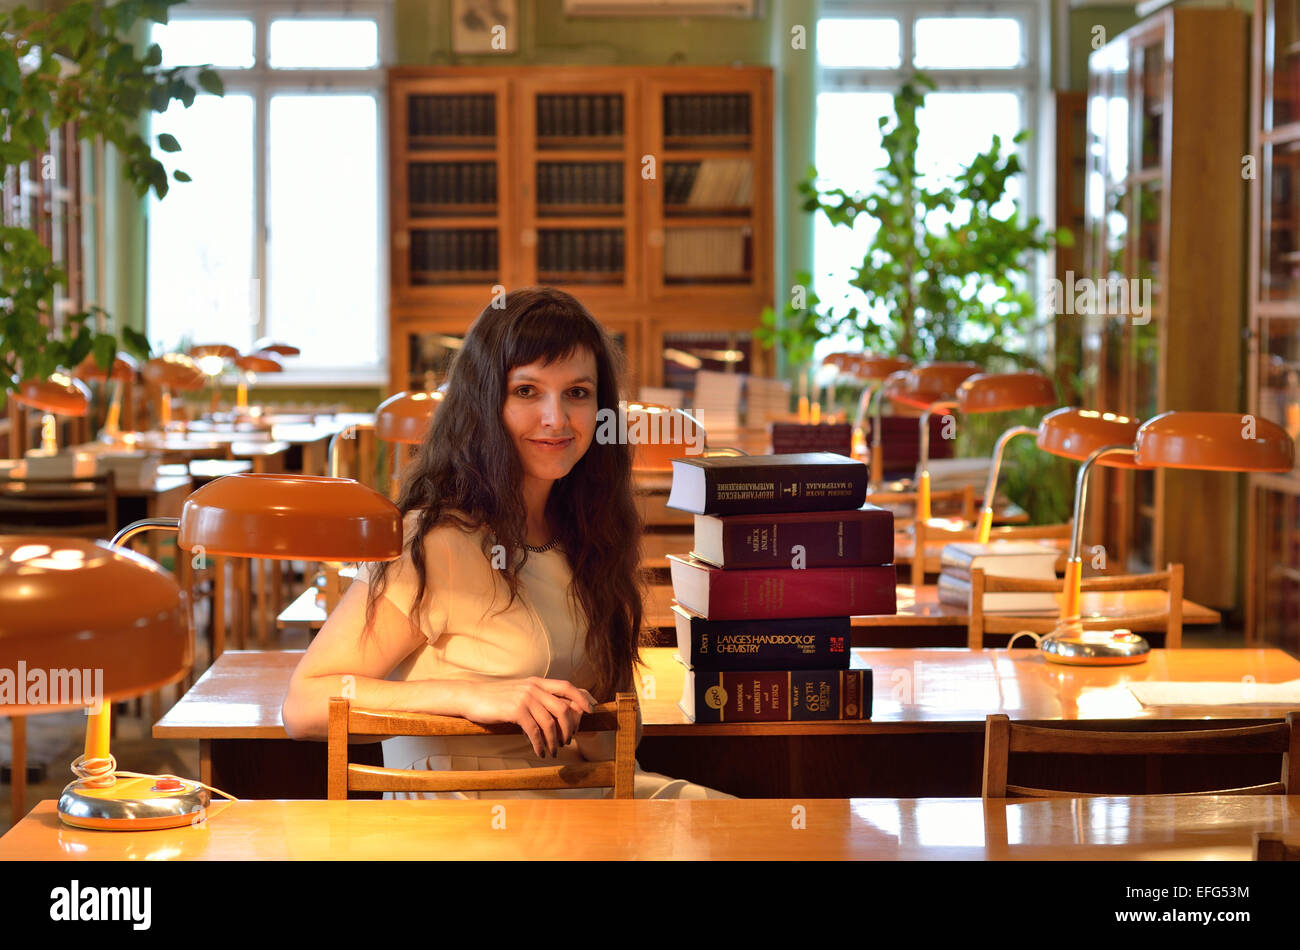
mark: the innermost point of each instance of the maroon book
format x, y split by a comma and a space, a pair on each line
815, 539
716, 594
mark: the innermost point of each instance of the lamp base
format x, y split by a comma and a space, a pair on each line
1095, 648
134, 804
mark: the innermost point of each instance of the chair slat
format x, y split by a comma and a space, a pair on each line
370, 778
1244, 740
366, 722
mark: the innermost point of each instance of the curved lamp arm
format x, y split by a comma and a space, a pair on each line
1074, 566
347, 432
923, 466
990, 490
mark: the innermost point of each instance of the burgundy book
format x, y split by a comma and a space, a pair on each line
815, 538
773, 593
723, 485
776, 695
788, 437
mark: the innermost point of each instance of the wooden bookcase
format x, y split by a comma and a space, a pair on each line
646, 192
1273, 544
1166, 205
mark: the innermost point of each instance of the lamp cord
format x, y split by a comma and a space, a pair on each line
101, 772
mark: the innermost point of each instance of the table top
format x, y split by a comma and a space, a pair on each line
925, 690
168, 479
920, 607
1213, 827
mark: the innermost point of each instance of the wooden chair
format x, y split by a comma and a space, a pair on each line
1170, 579
1273, 847
72, 507
345, 776
924, 534
1002, 737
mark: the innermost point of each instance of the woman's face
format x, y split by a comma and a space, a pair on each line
550, 413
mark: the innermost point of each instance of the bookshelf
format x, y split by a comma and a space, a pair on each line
646, 192
1273, 376
1163, 219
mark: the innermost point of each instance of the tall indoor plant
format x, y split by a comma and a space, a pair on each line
945, 277
75, 68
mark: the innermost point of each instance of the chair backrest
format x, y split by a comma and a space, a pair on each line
76, 507
1170, 614
1274, 847
1002, 738
345, 776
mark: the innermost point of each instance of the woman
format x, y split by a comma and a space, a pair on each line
517, 597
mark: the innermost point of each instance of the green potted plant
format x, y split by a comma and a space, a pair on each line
75, 68
955, 288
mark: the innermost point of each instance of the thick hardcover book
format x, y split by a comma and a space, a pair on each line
823, 437
814, 539
812, 481
815, 643
775, 593
776, 695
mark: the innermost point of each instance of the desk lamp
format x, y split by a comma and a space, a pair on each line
404, 417
1002, 392
1093, 438
930, 388
59, 395
284, 517
874, 370
651, 454
172, 372
248, 367
212, 359
122, 372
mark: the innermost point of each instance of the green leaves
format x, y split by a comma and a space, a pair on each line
167, 142
181, 176
211, 82
11, 78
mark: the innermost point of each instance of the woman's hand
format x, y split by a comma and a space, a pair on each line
548, 711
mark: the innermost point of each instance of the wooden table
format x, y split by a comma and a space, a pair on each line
1218, 828
926, 736
922, 621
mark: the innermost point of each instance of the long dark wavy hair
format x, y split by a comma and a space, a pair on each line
467, 472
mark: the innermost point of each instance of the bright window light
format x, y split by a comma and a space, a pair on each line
860, 42
968, 43
324, 44
223, 43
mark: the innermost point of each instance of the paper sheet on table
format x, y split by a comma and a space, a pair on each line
1217, 694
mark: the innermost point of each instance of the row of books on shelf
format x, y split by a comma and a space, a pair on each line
710, 183
706, 252
580, 250
583, 114
785, 551
702, 115
452, 183
461, 250
451, 115
586, 183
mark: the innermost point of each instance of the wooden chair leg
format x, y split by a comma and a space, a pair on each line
18, 768
218, 607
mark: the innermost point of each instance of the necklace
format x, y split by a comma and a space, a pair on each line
544, 548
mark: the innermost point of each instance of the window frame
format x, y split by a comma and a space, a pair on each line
261, 82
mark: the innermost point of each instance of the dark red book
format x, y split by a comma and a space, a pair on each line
773, 593
814, 539
789, 437
776, 695
812, 481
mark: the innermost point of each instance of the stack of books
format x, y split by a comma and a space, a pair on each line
785, 553
1023, 559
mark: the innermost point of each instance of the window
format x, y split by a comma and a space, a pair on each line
280, 232
985, 62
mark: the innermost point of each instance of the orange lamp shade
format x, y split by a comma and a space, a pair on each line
174, 371
223, 350
867, 366
406, 416
267, 345
1077, 433
661, 435
75, 609
1003, 392
259, 363
291, 517
1217, 441
123, 369
940, 377
60, 394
